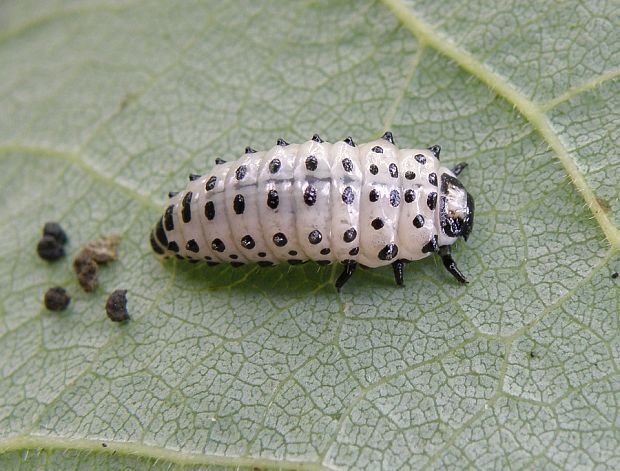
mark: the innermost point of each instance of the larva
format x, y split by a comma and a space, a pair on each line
369, 205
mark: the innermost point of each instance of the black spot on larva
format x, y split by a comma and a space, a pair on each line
349, 141
431, 200
393, 170
388, 252
56, 299
210, 183
431, 246
388, 137
161, 234
218, 245
192, 246
354, 251
409, 196
261, 254
347, 195
377, 223
209, 210
264, 263
155, 246
436, 150
236, 264
349, 235
274, 165
186, 208
378, 149
247, 242
239, 204
116, 306
295, 261
394, 198
249, 150
420, 158
168, 220
325, 251
56, 231
281, 142
234, 256
323, 262
273, 199
172, 194
317, 138
280, 239
373, 169
418, 221
373, 196
50, 249
207, 257
409, 175
310, 195
292, 253
192, 260
311, 163
315, 237
173, 246
180, 257
219, 161
193, 177
432, 178
347, 165
213, 264
240, 172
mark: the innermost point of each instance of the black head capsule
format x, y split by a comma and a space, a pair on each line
193, 176
436, 149
219, 161
349, 140
172, 194
388, 137
281, 142
317, 138
249, 150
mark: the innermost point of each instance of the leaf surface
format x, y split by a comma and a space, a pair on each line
105, 106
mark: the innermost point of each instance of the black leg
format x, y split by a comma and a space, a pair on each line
349, 268
459, 168
450, 264
398, 271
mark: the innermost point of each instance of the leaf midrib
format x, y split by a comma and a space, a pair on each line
531, 111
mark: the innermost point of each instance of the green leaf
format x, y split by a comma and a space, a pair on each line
105, 106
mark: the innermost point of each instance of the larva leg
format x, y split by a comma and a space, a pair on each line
349, 268
450, 264
398, 266
459, 168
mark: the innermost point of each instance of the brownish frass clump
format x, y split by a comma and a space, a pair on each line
56, 299
95, 253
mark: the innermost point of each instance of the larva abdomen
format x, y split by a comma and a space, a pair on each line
372, 204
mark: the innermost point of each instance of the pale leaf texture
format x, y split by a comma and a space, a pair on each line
105, 106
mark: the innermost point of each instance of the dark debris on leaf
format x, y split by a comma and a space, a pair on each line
50, 249
56, 299
116, 306
56, 231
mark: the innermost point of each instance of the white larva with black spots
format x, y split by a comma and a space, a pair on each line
372, 205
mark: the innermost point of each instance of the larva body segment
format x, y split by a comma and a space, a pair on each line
372, 204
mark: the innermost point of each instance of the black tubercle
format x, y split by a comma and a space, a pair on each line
193, 176
388, 137
317, 138
249, 150
436, 149
281, 142
458, 168
349, 140
172, 194
219, 161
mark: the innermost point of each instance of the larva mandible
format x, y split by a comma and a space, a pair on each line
372, 205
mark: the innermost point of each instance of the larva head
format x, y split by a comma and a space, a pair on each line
456, 208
